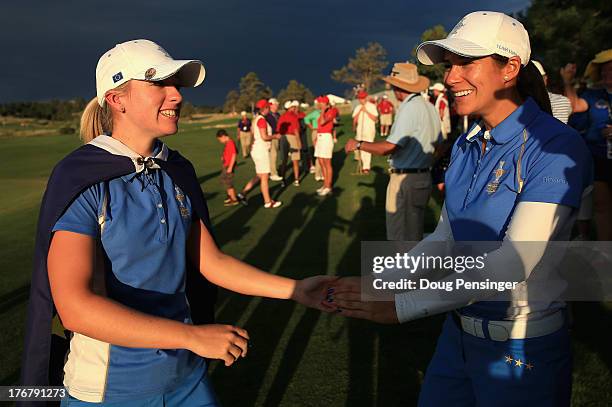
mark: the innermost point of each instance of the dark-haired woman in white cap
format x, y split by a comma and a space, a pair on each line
515, 177
124, 243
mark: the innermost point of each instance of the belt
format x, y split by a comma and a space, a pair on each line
501, 331
408, 170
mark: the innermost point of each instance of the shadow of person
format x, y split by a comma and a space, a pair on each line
269, 320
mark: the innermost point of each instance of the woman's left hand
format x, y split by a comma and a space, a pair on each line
313, 291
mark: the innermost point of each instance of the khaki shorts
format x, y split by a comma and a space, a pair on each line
294, 147
386, 119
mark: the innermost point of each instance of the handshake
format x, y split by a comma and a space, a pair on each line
342, 295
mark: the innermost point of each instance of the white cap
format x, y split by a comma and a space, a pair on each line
539, 66
273, 101
143, 60
243, 113
295, 103
287, 104
437, 86
479, 34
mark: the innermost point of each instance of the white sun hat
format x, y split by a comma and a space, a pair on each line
143, 60
479, 34
287, 104
295, 103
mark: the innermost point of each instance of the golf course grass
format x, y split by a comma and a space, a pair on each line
299, 357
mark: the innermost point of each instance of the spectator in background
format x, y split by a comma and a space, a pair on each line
228, 163
365, 117
324, 146
385, 108
245, 136
336, 113
272, 119
442, 107
410, 145
307, 164
561, 105
311, 120
289, 126
260, 153
593, 119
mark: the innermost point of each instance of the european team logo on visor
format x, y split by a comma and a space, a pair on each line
117, 77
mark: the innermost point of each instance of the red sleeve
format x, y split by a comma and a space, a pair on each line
442, 105
232, 147
262, 123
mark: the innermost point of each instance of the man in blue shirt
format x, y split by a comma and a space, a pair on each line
410, 145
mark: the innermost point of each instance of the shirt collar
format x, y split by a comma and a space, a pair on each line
510, 127
115, 147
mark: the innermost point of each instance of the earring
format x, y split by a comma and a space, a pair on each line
506, 78
122, 109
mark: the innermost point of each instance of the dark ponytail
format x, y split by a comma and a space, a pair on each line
530, 83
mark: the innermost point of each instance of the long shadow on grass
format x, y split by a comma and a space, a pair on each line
269, 319
588, 320
386, 362
314, 239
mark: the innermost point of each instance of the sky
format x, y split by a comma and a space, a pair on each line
50, 48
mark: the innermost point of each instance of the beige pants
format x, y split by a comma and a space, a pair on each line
407, 198
273, 157
366, 158
246, 139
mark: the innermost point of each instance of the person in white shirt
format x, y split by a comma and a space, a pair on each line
365, 116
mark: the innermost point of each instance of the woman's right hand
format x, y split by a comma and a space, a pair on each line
215, 341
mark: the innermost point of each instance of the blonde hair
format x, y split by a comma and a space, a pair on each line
96, 119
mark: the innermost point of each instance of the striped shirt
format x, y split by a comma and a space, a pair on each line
561, 107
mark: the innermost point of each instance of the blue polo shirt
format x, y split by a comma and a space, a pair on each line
415, 130
591, 123
147, 222
529, 157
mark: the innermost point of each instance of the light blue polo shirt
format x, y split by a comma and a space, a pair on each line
530, 157
147, 223
415, 130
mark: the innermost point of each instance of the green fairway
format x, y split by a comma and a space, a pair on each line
299, 357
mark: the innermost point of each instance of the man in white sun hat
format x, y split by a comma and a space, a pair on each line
516, 176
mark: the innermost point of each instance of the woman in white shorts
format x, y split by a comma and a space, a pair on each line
324, 146
260, 153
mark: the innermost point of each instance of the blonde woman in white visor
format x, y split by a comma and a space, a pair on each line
125, 248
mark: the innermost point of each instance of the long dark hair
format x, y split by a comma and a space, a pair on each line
530, 84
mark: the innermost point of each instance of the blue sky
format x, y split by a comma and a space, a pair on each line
50, 48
